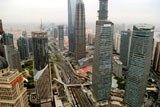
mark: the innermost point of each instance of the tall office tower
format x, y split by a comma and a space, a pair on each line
125, 47
42, 75
156, 60
71, 19
7, 39
1, 27
66, 31
102, 61
55, 33
139, 64
23, 47
12, 57
80, 31
13, 93
30, 44
61, 37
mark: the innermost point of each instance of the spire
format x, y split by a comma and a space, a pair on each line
103, 10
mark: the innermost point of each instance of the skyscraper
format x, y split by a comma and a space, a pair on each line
12, 57
23, 47
139, 64
30, 44
71, 19
156, 60
55, 33
80, 31
125, 47
61, 37
42, 76
13, 93
102, 62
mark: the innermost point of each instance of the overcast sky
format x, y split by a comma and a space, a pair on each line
120, 11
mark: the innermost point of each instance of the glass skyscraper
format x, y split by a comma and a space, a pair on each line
139, 64
61, 37
71, 19
80, 31
42, 75
125, 47
102, 62
23, 47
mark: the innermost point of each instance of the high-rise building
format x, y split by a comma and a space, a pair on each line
30, 44
125, 47
42, 75
1, 27
61, 37
55, 33
13, 93
90, 39
23, 47
80, 31
102, 62
139, 64
12, 57
117, 67
156, 60
117, 41
71, 19
7, 39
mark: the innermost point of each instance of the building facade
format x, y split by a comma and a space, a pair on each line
42, 74
30, 44
55, 33
61, 37
125, 47
71, 19
90, 39
139, 64
102, 61
156, 60
117, 39
12, 57
117, 67
12, 91
23, 47
80, 31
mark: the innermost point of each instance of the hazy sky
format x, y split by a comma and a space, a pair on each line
120, 11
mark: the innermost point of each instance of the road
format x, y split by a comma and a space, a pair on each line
81, 97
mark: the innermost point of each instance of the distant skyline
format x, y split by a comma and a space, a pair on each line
55, 11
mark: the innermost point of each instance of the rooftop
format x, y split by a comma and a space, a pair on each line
39, 34
144, 27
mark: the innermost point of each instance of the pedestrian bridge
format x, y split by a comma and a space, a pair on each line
71, 85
